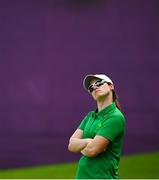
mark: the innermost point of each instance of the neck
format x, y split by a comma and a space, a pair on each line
103, 103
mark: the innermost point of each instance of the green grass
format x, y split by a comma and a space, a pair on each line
141, 166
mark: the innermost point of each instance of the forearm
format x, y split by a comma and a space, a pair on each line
96, 146
88, 151
77, 145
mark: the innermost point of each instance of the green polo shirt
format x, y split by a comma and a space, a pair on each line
109, 123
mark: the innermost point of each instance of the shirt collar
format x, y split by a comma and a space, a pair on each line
106, 110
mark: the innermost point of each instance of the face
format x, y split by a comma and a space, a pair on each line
100, 89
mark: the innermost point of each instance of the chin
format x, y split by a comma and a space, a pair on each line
99, 96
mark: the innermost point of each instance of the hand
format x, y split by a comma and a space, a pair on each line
88, 140
83, 151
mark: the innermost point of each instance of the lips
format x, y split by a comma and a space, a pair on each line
97, 90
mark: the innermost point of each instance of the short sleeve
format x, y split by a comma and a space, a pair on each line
112, 127
84, 121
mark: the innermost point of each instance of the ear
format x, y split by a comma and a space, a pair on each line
111, 86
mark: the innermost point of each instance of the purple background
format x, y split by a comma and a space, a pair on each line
46, 49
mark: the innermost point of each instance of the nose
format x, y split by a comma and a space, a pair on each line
95, 87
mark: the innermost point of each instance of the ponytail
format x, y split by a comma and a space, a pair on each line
116, 100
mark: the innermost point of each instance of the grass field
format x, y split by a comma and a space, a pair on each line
141, 166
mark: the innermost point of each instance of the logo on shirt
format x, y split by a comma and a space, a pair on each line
99, 125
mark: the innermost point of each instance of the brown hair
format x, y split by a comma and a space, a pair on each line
115, 98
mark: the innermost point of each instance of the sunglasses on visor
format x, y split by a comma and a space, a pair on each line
96, 84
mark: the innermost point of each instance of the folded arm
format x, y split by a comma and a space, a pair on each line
76, 143
96, 146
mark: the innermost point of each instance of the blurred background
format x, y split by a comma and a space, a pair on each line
46, 49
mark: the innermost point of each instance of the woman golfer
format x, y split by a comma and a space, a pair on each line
100, 135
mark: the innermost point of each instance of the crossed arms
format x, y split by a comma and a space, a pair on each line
88, 147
